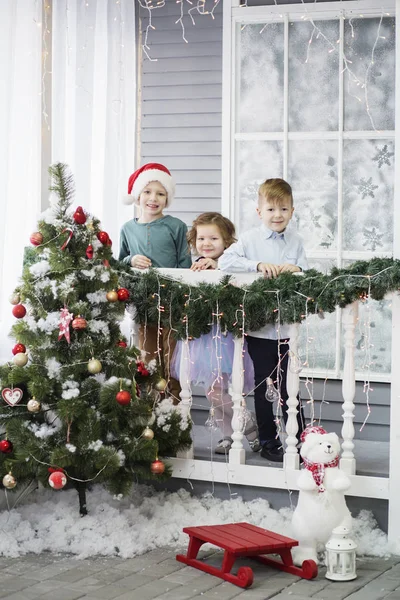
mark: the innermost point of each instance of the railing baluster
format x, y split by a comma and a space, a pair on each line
349, 319
237, 454
291, 459
186, 392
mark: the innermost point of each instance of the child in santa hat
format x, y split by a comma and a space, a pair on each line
154, 240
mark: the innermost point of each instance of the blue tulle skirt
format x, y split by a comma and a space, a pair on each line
212, 356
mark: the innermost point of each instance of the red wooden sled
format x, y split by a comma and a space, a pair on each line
243, 539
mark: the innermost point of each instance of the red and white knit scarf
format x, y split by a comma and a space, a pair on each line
318, 471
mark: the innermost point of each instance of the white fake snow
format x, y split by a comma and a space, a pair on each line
49, 521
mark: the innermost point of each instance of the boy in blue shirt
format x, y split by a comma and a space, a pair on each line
155, 240
271, 250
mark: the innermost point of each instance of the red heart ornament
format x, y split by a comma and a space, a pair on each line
12, 397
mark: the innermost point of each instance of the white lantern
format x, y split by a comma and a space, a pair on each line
340, 556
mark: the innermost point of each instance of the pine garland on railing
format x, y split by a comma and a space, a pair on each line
192, 308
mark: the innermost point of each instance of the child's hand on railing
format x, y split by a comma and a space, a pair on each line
268, 269
140, 262
203, 264
287, 268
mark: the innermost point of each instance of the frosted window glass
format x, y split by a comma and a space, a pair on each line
313, 76
369, 78
261, 78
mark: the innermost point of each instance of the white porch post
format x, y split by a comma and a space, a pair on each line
394, 448
349, 319
291, 458
237, 454
186, 392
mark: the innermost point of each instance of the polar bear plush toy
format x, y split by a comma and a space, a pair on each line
321, 505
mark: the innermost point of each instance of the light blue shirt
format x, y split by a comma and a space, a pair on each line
260, 244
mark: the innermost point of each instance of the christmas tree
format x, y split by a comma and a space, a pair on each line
78, 405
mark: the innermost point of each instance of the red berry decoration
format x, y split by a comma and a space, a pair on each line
123, 398
6, 447
102, 236
157, 467
18, 348
19, 311
79, 216
106, 263
57, 480
89, 252
123, 294
122, 344
36, 238
79, 323
141, 367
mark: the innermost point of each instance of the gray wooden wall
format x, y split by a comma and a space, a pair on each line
180, 123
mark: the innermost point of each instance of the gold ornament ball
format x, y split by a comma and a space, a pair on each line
161, 385
14, 298
33, 406
9, 481
112, 296
148, 433
94, 366
20, 359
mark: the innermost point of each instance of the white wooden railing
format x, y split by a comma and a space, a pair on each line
235, 470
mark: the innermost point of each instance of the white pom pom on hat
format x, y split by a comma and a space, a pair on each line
145, 175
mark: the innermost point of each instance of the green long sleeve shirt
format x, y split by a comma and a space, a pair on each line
163, 241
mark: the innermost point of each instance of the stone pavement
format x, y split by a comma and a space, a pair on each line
158, 575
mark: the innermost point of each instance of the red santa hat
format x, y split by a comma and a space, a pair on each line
145, 175
311, 429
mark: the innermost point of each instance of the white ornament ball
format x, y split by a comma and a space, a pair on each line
9, 481
14, 298
148, 434
33, 406
20, 359
94, 366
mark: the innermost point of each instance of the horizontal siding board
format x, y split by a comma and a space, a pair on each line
197, 177
191, 166
164, 22
210, 120
184, 148
181, 78
188, 217
197, 190
170, 107
197, 50
191, 205
187, 63
197, 134
185, 92
194, 35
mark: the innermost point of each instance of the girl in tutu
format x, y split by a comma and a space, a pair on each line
211, 356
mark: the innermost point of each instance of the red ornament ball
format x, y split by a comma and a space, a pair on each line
123, 294
89, 252
36, 238
57, 480
18, 348
109, 242
122, 344
79, 216
103, 237
6, 446
19, 311
79, 323
123, 398
157, 467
